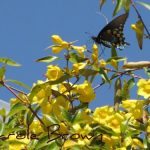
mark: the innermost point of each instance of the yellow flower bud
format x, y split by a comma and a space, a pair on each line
56, 39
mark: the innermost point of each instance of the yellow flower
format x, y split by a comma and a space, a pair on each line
148, 126
53, 72
59, 44
77, 67
101, 114
81, 132
135, 107
102, 63
18, 144
56, 49
95, 49
144, 88
41, 92
121, 148
136, 144
95, 54
58, 103
85, 91
46, 107
114, 63
56, 39
80, 49
36, 127
63, 128
115, 121
127, 141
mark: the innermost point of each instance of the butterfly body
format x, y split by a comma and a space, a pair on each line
112, 33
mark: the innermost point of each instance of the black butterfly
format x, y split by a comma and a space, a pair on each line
112, 34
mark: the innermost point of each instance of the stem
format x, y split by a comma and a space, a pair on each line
35, 114
127, 72
139, 16
11, 90
29, 106
19, 91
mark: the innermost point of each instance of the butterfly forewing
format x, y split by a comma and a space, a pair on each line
112, 33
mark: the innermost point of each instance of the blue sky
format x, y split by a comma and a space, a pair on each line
26, 27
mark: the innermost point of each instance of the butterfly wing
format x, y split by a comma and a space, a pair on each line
112, 33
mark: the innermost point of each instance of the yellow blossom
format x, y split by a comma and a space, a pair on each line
63, 128
46, 107
59, 44
114, 63
82, 132
80, 49
56, 49
136, 144
18, 144
85, 91
135, 107
101, 114
114, 122
144, 88
59, 102
56, 39
102, 63
77, 67
95, 54
41, 92
36, 127
53, 72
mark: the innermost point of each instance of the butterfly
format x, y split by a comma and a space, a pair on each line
112, 34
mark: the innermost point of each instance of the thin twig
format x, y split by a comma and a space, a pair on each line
11, 90
118, 73
19, 91
28, 105
35, 114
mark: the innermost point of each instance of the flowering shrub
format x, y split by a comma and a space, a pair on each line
55, 114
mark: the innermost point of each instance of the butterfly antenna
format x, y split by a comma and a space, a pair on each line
89, 40
101, 14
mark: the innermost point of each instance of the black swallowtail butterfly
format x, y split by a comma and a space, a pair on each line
112, 33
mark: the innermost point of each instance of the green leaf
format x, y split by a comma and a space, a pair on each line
118, 59
147, 71
131, 83
9, 62
77, 118
119, 5
125, 92
2, 72
48, 59
104, 75
3, 112
88, 72
16, 109
67, 116
146, 5
51, 119
19, 83
114, 52
2, 127
42, 144
75, 58
37, 88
